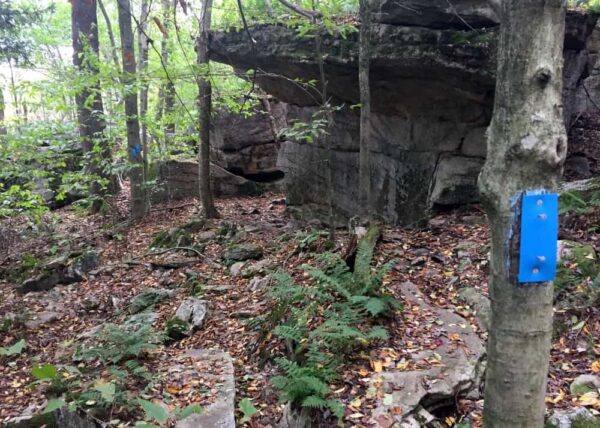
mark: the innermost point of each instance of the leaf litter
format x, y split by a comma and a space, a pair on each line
441, 259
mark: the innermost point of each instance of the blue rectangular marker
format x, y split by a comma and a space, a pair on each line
539, 237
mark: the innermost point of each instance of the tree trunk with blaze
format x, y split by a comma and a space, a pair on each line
527, 146
139, 206
90, 110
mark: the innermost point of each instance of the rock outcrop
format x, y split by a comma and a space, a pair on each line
248, 145
433, 71
458, 367
179, 180
244, 151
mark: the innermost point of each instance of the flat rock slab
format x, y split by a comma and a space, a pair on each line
42, 318
221, 413
242, 252
458, 372
66, 269
218, 288
480, 303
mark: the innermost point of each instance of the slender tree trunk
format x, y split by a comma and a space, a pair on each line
526, 150
204, 111
13, 90
166, 94
2, 126
114, 58
143, 67
139, 206
329, 115
84, 26
364, 59
111, 35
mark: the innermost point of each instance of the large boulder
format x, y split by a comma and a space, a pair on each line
247, 145
179, 180
433, 69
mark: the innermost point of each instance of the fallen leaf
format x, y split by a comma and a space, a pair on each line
589, 399
363, 372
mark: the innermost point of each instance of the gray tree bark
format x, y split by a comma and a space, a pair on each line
527, 146
325, 138
142, 68
166, 93
204, 111
111, 34
84, 27
364, 60
2, 105
139, 206
13, 90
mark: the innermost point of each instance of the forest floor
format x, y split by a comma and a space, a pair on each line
447, 256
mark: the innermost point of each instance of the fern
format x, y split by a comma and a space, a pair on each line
323, 320
116, 343
288, 332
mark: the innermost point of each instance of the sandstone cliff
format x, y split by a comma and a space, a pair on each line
432, 78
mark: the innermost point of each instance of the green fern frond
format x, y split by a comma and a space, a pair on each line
336, 408
375, 306
314, 402
377, 332
288, 332
364, 253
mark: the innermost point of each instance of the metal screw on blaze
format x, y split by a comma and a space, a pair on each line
539, 237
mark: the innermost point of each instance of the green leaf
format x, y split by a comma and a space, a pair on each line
17, 348
53, 405
190, 410
153, 411
248, 409
579, 325
375, 306
106, 390
144, 424
388, 399
45, 372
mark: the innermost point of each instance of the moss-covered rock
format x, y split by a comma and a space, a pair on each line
181, 236
148, 298
242, 252
176, 329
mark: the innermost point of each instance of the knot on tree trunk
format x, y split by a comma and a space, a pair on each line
543, 76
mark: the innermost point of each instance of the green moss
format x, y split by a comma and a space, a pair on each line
26, 267
47, 420
473, 37
176, 329
147, 299
174, 237
583, 422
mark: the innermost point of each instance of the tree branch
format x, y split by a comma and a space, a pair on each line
306, 13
